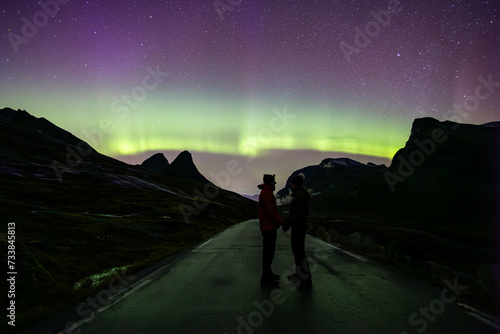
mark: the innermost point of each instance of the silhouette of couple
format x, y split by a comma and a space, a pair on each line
270, 221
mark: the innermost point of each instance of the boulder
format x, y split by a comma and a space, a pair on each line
488, 277
398, 252
333, 235
362, 241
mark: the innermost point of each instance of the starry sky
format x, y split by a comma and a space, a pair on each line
272, 86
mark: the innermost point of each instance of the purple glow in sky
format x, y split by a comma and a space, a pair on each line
137, 77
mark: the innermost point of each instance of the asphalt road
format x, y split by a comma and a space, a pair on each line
215, 289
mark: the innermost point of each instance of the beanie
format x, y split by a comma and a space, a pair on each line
268, 178
298, 180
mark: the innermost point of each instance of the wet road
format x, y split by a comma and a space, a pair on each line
215, 289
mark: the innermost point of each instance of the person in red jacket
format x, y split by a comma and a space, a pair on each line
269, 221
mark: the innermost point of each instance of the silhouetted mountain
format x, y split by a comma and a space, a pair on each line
157, 163
182, 167
445, 177
492, 124
433, 212
447, 171
331, 173
78, 212
252, 197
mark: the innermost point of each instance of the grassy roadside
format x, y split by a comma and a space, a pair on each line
60, 246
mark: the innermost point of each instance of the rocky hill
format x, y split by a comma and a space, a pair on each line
331, 173
79, 213
448, 171
157, 163
182, 167
446, 177
433, 212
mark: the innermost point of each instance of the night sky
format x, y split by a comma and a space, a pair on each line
271, 85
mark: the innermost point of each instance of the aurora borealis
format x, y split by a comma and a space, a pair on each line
275, 85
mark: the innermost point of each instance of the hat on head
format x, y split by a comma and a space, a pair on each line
269, 179
298, 180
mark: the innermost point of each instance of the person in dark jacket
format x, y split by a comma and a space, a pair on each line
269, 221
299, 210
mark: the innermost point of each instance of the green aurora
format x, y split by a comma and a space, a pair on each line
233, 125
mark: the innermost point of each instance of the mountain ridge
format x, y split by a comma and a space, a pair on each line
78, 213
446, 175
157, 163
181, 167
433, 212
330, 173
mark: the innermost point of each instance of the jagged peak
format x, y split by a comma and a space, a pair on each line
419, 123
12, 115
157, 158
184, 156
184, 153
425, 125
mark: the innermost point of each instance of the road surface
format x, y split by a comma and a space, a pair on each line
215, 288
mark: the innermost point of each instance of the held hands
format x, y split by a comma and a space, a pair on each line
286, 226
